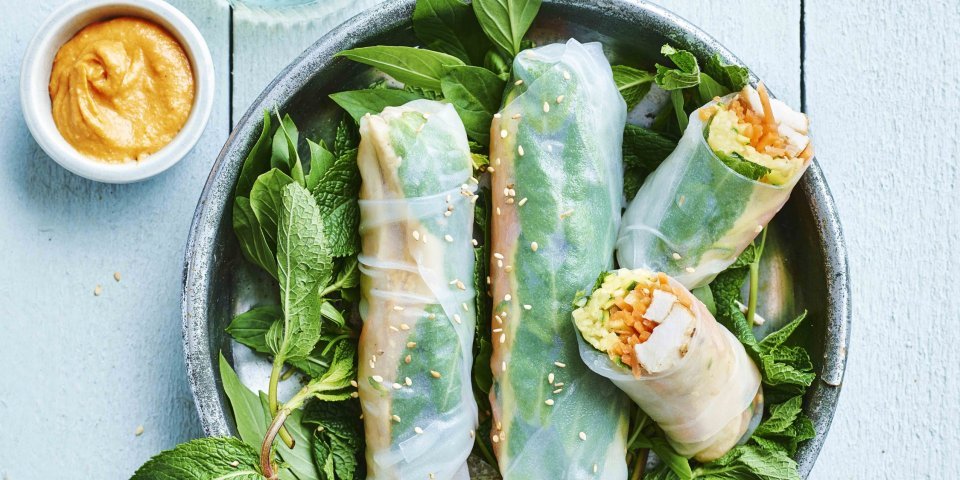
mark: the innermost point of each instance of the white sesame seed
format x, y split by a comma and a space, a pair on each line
397, 386
566, 75
503, 133
560, 99
473, 433
377, 378
488, 279
558, 384
550, 378
496, 115
557, 390
560, 364
518, 82
497, 330
496, 438
566, 214
546, 107
490, 169
676, 256
508, 268
498, 255
474, 242
520, 150
549, 401
506, 192
503, 366
411, 344
507, 297
395, 418
407, 381
583, 436
398, 308
395, 329
515, 116
407, 359
373, 364
466, 308
595, 468
448, 198
435, 373
522, 201
503, 338
758, 229
418, 430
500, 263
534, 246
416, 234
456, 318
447, 213
432, 316
354, 395
496, 161
690, 269
460, 285
448, 238
404, 326
499, 425
426, 115
509, 200
498, 210
527, 306
353, 383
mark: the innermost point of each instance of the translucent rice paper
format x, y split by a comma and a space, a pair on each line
557, 181
706, 402
417, 302
696, 207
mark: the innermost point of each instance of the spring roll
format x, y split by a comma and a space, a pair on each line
660, 345
733, 170
417, 304
556, 184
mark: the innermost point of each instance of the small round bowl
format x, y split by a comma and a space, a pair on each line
60, 27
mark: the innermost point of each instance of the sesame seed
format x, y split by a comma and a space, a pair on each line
498, 319
518, 82
558, 384
507, 297
498, 255
690, 269
566, 214
676, 256
404, 326
560, 99
97, 291
447, 213
353, 383
473, 433
550, 378
546, 107
398, 308
235, 463
448, 198
432, 316
416, 234
497, 330
498, 210
116, 276
456, 318
500, 263
503, 133
395, 418
522, 201
466, 308
488, 279
426, 115
558, 390
583, 436
490, 169
503, 366
566, 75
496, 115
373, 364
407, 381
418, 430
496, 160
527, 307
758, 229
560, 364
448, 238
515, 116
549, 401
595, 468
534, 246
435, 373
508, 268
138, 431
377, 378
407, 359
520, 150
509, 200
496, 438
503, 338
397, 386
411, 344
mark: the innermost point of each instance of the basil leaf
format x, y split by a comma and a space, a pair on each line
449, 26
253, 243
632, 83
212, 458
676, 462
303, 266
257, 161
361, 102
412, 66
265, 199
475, 93
248, 414
320, 160
250, 328
506, 21
284, 156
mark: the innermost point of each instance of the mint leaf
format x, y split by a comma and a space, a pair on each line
449, 26
632, 83
506, 21
733, 77
781, 417
338, 438
361, 102
265, 198
320, 160
778, 338
213, 458
475, 93
685, 75
643, 151
744, 167
303, 266
257, 161
253, 242
334, 384
412, 66
336, 193
250, 328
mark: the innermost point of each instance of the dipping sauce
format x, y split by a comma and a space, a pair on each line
121, 89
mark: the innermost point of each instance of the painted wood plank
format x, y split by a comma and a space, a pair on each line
263, 47
764, 35
81, 372
883, 95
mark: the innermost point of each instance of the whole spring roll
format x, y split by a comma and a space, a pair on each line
417, 304
660, 345
556, 186
733, 170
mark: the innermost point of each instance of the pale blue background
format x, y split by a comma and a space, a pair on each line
79, 373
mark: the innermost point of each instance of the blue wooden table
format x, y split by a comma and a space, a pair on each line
93, 385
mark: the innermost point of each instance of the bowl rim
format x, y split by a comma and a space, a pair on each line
219, 187
61, 25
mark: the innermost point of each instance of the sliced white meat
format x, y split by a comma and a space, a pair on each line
660, 306
667, 342
781, 111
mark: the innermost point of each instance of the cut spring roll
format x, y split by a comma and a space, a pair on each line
733, 170
417, 263
556, 185
660, 345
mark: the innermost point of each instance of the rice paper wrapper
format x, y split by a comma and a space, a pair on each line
556, 181
413, 160
708, 401
697, 207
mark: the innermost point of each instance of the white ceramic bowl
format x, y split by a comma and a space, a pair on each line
60, 27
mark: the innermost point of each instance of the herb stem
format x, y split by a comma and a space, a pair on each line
487, 456
266, 448
755, 280
272, 398
640, 464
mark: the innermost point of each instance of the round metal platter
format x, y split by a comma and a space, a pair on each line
804, 265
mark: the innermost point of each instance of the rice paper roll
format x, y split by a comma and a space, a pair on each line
732, 171
417, 304
556, 186
659, 344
